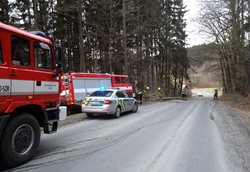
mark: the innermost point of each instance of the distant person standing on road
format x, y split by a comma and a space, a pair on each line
184, 93
138, 96
160, 94
215, 94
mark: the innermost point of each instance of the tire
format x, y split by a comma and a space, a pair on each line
90, 115
135, 108
117, 112
20, 140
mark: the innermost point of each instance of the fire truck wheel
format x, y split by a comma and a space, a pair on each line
135, 108
20, 140
117, 112
90, 115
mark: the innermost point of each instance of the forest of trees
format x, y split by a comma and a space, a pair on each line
227, 22
142, 38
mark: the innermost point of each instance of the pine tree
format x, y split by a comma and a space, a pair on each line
4, 11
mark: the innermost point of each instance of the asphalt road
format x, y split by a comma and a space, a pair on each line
193, 135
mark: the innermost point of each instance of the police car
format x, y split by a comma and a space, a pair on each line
110, 102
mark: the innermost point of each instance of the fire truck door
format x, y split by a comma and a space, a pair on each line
46, 87
20, 71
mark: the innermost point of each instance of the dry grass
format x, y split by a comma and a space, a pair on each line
237, 102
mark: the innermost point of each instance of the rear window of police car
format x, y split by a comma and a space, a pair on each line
101, 94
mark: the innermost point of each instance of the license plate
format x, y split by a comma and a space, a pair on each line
95, 103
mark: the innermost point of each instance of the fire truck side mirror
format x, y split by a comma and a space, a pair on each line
59, 66
58, 70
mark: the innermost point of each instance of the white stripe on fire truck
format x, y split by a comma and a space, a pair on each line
46, 87
83, 90
125, 88
23, 87
5, 85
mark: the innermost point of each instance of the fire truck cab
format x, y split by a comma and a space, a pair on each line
29, 93
122, 82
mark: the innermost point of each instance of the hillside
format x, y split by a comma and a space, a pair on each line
205, 69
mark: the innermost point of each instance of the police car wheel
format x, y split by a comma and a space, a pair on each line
20, 140
135, 108
117, 112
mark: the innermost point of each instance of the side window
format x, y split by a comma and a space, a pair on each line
125, 80
117, 80
120, 94
20, 49
43, 56
126, 95
1, 54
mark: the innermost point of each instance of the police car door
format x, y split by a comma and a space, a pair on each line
129, 102
120, 100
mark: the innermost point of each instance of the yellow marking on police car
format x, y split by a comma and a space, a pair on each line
86, 101
121, 103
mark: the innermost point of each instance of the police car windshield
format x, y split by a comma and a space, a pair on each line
101, 94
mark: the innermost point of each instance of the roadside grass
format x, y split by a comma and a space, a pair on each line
237, 102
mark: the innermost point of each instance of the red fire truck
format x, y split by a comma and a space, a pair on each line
122, 82
29, 93
76, 86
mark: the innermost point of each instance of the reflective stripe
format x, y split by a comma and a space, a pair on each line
86, 101
124, 88
26, 87
21, 87
5, 86
121, 103
47, 87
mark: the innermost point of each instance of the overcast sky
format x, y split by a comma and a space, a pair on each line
193, 29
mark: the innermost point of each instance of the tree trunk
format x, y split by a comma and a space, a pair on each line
124, 37
35, 14
81, 45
